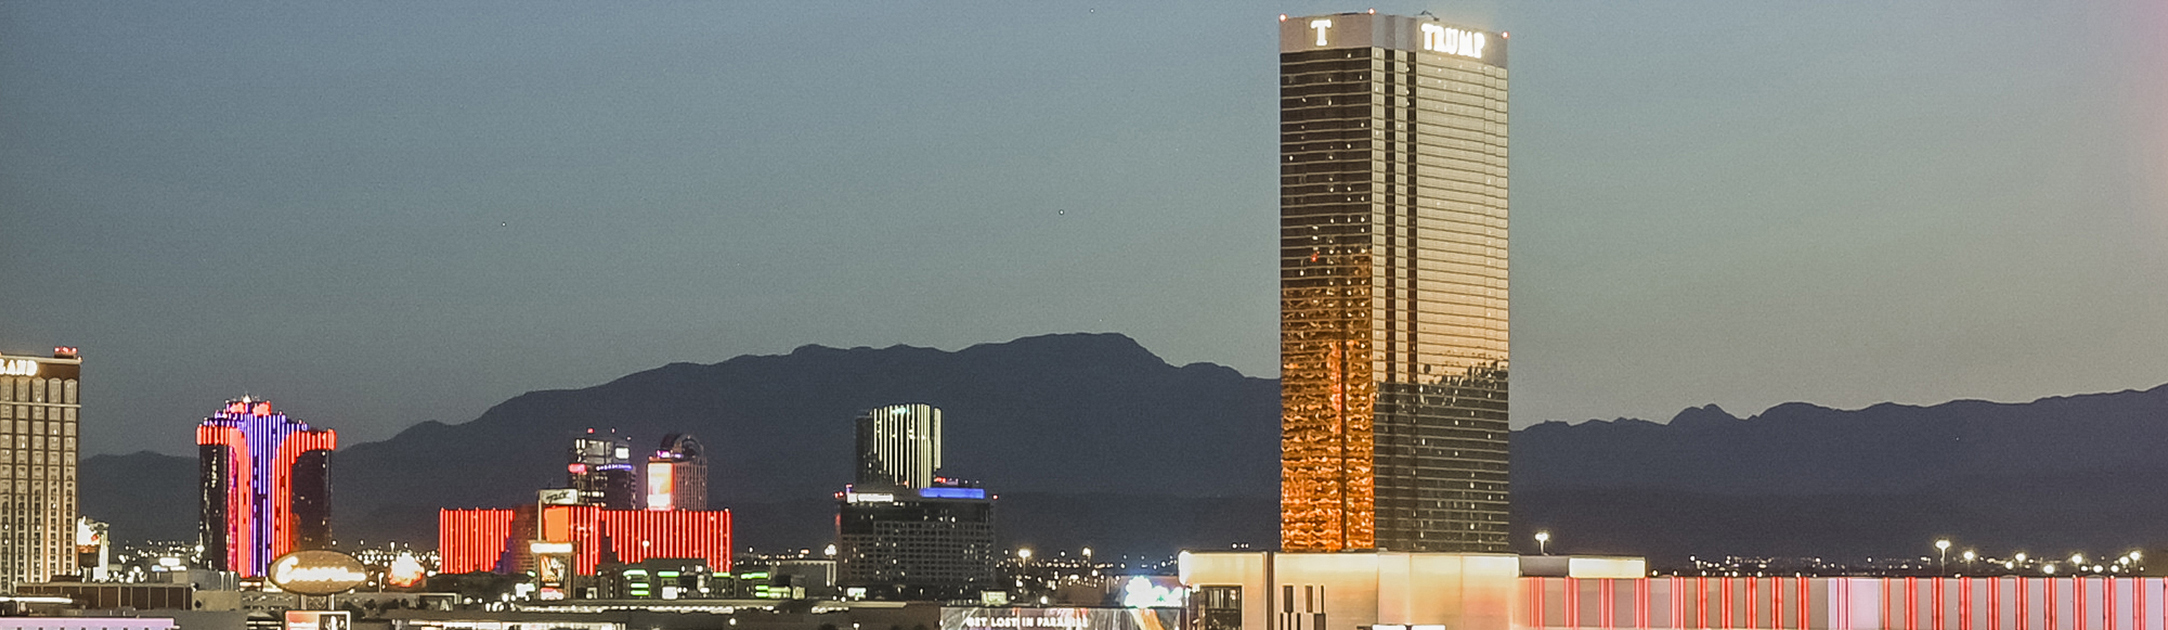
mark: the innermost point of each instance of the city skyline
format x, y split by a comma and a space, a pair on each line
1390, 509
1757, 205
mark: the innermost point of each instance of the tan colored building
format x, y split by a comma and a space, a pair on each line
1262, 590
39, 409
1393, 341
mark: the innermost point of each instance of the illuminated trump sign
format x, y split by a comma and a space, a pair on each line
1370, 30
1453, 41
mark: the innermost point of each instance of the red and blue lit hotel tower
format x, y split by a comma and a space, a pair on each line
266, 486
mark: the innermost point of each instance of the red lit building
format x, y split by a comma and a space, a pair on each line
495, 539
266, 486
475, 541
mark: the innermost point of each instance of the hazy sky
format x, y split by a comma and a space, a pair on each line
383, 213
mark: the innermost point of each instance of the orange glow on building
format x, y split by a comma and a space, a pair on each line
1393, 327
1327, 497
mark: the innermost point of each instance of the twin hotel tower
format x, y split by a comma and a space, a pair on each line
1393, 342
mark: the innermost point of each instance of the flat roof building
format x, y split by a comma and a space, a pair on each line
1393, 342
39, 412
933, 543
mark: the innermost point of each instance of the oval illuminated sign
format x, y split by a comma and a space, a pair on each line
318, 572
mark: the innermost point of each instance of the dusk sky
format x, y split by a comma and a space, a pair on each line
377, 214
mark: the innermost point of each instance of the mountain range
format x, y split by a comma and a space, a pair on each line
1091, 440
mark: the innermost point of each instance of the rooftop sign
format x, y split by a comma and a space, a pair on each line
1370, 30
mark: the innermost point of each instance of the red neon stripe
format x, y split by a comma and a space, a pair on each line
2048, 587
1701, 601
1753, 612
1994, 604
1535, 602
2107, 604
1912, 603
1776, 602
1678, 605
1641, 603
1806, 592
2023, 615
1604, 599
1725, 585
1844, 603
1573, 603
2137, 604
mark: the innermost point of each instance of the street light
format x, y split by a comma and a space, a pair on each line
1942, 555
1968, 556
1541, 538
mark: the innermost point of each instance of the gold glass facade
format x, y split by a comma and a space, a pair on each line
1393, 335
38, 416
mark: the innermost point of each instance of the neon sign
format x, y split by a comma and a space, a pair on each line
660, 486
1321, 25
18, 367
870, 497
1451, 41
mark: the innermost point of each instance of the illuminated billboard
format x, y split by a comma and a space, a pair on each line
659, 486
975, 618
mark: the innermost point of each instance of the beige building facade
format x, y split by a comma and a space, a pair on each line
40, 409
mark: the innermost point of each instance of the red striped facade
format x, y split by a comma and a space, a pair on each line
476, 540
473, 541
1806, 603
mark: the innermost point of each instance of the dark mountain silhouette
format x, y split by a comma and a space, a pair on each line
1079, 414
1802, 449
1092, 440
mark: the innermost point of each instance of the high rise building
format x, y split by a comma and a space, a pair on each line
1392, 285
38, 416
901, 532
899, 445
266, 486
677, 475
935, 542
600, 467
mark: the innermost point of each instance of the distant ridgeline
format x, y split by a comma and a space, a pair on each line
1095, 441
